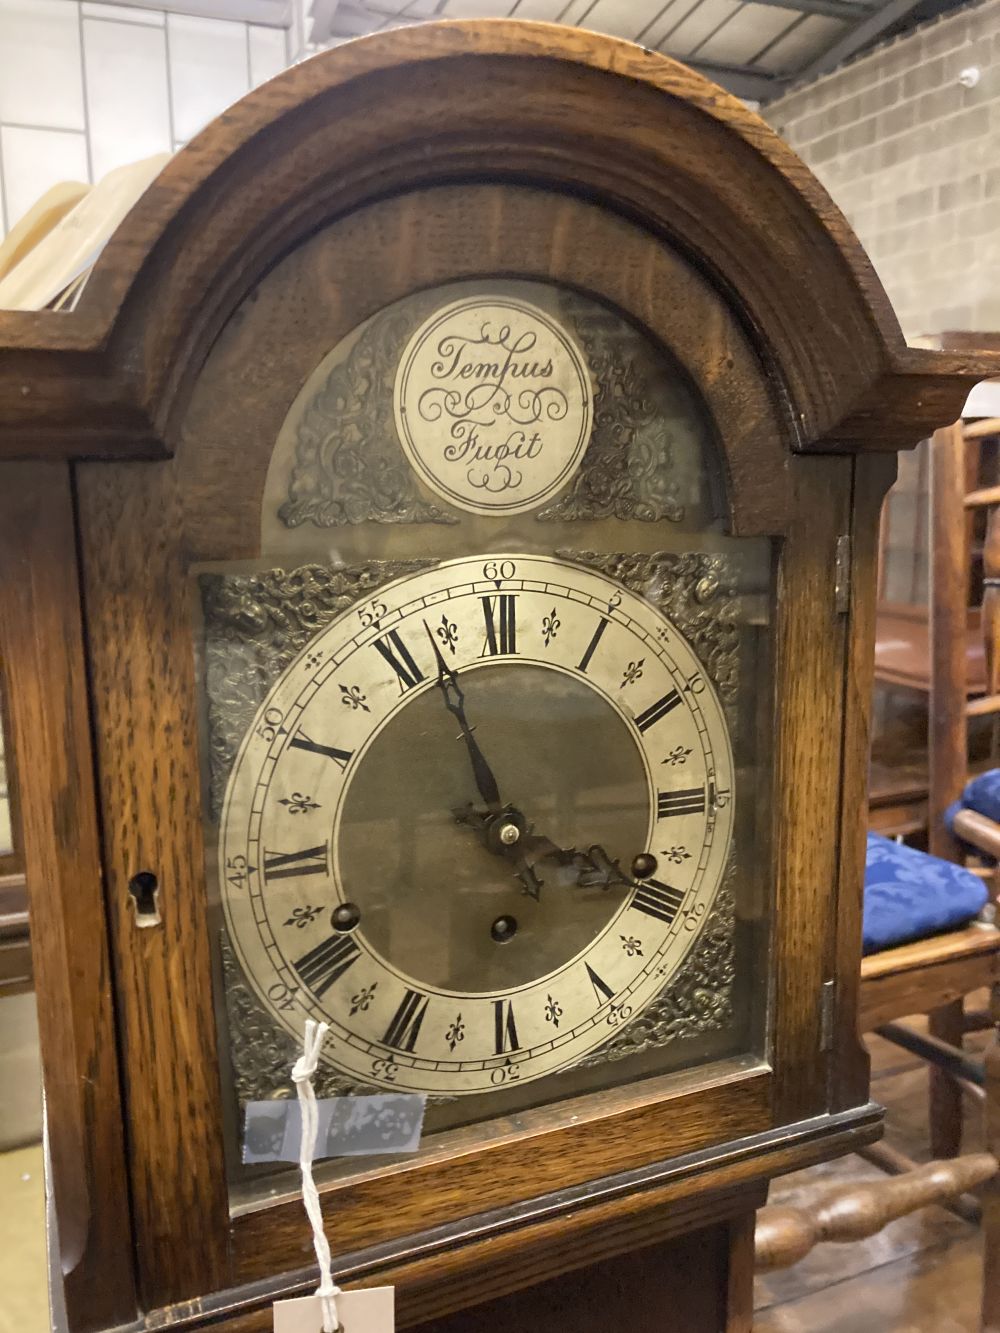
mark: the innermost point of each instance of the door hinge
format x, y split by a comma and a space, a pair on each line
827, 1014
842, 576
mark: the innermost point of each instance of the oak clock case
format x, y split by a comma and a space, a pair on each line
484, 723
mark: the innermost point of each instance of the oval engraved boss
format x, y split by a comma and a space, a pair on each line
493, 404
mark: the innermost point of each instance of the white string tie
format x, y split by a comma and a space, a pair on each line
302, 1075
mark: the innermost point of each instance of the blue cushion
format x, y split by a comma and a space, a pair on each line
982, 794
909, 894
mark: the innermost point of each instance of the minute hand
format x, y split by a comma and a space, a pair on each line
454, 701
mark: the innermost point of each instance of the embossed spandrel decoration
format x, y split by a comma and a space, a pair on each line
363, 443
254, 625
493, 404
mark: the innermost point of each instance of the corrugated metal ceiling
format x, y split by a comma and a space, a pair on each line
756, 48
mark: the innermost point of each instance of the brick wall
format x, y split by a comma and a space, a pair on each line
913, 159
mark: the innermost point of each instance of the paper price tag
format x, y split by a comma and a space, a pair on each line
370, 1310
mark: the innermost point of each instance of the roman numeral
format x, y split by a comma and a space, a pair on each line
290, 865
690, 801
322, 966
399, 657
601, 988
592, 645
404, 1029
501, 624
505, 1031
657, 900
300, 741
655, 711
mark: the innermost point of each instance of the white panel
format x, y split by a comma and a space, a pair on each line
694, 24
208, 69
34, 160
267, 54
817, 33
152, 17
622, 18
41, 81
575, 11
128, 101
546, 10
415, 9
476, 9
743, 36
672, 12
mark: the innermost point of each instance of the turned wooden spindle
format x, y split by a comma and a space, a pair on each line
989, 499
855, 1212
991, 599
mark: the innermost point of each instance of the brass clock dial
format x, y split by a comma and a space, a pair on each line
466, 901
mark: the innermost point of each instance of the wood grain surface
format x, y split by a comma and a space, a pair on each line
919, 977
850, 1213
40, 627
144, 714
438, 1272
949, 596
849, 1067
808, 681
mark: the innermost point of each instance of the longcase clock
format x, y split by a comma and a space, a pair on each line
438, 601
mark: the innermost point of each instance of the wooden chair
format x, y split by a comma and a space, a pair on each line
903, 766
933, 975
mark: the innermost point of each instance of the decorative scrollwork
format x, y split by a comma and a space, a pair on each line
697, 592
699, 999
349, 467
255, 624
626, 470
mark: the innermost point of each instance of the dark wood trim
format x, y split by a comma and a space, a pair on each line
141, 661
556, 1147
849, 1064
484, 1256
40, 627
808, 681
489, 229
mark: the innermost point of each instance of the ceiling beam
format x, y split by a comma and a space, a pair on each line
753, 85
848, 10
855, 40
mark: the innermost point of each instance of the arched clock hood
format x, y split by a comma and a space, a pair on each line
402, 110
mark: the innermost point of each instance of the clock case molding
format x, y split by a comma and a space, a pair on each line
462, 149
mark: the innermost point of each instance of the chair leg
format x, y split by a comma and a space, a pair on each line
947, 1023
991, 1191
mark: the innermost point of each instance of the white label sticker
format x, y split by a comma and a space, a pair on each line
388, 1122
370, 1310
493, 404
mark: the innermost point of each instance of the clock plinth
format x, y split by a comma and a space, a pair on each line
446, 575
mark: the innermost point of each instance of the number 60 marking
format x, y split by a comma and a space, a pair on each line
499, 569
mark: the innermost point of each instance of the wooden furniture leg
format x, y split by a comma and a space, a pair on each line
855, 1212
991, 1194
947, 1024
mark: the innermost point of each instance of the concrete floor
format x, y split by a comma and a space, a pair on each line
24, 1305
